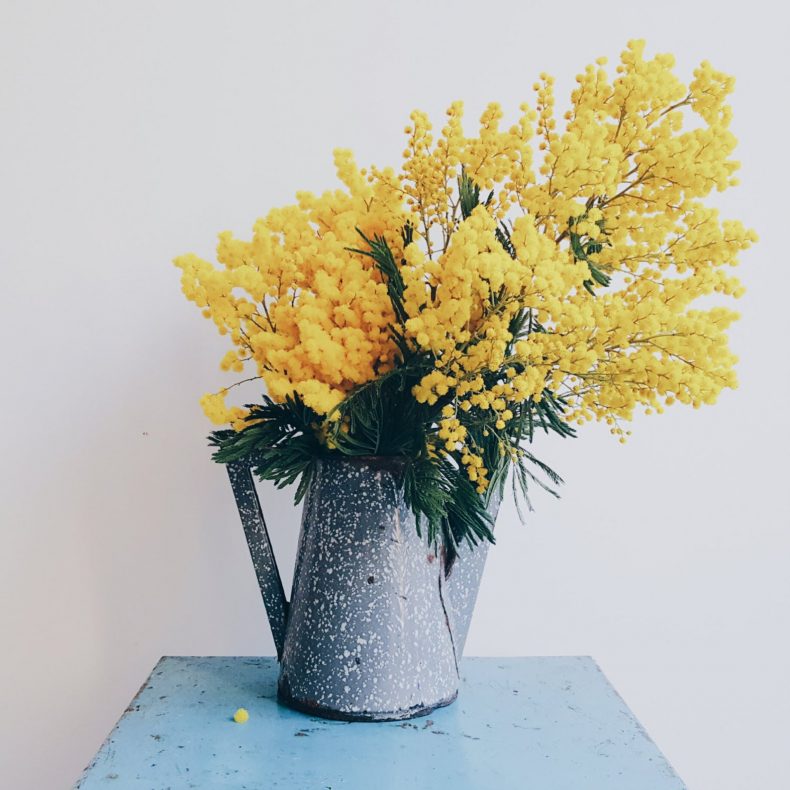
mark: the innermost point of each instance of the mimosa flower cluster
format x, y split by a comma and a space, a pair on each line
554, 261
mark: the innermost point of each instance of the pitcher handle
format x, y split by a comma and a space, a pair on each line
261, 551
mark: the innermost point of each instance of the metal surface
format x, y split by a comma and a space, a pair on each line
261, 551
374, 629
463, 583
520, 723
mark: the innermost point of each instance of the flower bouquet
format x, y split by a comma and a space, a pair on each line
418, 328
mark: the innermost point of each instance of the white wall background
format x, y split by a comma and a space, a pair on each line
133, 131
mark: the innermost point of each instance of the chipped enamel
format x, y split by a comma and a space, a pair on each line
374, 630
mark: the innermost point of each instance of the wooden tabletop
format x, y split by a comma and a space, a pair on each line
525, 723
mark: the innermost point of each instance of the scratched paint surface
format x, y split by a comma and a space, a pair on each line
376, 622
368, 631
542, 723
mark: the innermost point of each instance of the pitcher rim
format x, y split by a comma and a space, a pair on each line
378, 461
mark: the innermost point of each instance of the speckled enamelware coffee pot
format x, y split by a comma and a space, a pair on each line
377, 622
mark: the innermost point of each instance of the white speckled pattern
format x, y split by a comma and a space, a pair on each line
374, 629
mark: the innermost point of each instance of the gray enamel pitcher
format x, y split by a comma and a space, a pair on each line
376, 624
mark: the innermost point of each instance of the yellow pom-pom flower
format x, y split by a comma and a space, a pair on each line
535, 274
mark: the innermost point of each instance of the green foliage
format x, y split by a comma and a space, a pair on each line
583, 247
383, 419
443, 498
278, 441
381, 254
468, 194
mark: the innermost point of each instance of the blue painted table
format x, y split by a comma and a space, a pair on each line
525, 723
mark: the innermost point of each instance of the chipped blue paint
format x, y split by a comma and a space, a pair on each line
377, 621
542, 723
